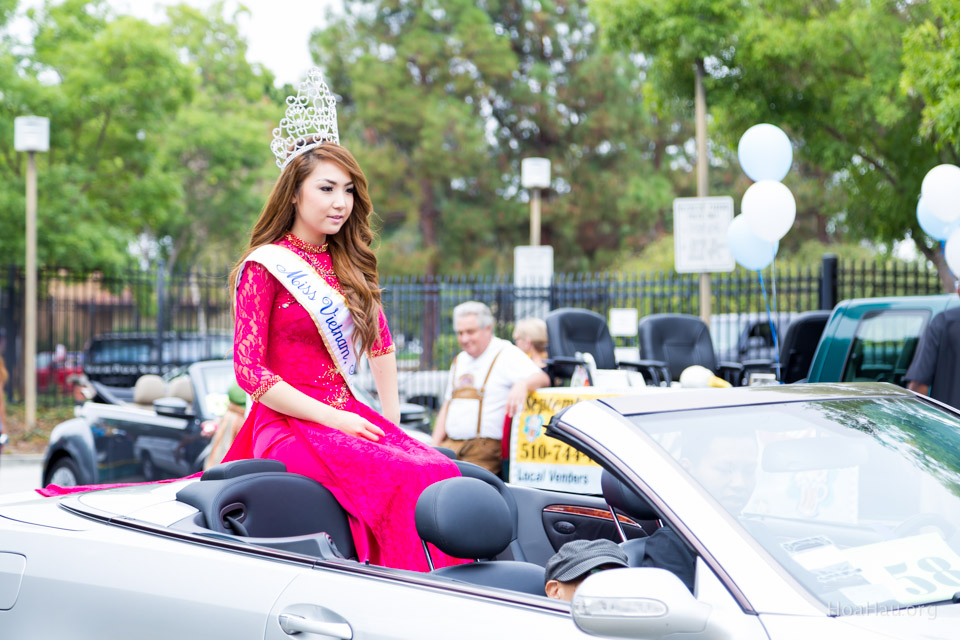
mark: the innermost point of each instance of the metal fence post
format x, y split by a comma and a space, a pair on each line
828, 281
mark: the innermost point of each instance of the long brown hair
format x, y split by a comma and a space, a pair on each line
353, 261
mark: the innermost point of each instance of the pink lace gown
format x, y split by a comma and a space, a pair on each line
377, 483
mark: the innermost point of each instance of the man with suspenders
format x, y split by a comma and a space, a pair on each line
489, 380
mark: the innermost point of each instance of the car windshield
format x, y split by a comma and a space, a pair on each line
856, 498
216, 383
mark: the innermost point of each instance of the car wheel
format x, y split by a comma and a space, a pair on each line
64, 473
149, 469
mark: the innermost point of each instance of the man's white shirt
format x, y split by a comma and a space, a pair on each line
510, 367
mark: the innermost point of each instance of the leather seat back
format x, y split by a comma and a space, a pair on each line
678, 339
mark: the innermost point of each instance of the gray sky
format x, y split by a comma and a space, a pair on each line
276, 30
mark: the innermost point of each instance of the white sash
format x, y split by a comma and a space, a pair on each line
325, 305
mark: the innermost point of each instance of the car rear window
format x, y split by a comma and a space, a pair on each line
883, 346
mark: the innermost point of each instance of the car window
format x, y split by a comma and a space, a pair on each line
856, 498
883, 346
123, 351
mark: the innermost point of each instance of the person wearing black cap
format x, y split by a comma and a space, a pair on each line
576, 560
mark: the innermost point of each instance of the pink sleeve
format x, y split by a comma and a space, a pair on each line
384, 343
254, 303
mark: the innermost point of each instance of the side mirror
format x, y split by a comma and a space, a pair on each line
637, 603
172, 408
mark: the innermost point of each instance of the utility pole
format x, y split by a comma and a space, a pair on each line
31, 134
700, 105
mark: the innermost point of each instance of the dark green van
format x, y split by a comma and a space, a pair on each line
874, 339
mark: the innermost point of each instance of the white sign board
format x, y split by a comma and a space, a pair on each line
532, 266
532, 275
623, 322
31, 133
700, 234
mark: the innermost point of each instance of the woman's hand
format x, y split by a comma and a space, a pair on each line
355, 425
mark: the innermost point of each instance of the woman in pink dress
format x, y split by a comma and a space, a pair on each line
304, 413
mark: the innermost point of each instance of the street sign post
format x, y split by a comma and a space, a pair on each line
700, 234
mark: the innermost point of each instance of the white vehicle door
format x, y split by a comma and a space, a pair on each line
332, 603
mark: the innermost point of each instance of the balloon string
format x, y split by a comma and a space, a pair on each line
773, 329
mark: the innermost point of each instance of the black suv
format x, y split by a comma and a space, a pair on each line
118, 359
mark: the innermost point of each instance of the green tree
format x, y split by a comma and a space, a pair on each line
830, 75
216, 147
932, 67
472, 89
107, 84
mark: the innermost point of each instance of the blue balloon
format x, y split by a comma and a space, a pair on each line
932, 225
765, 153
747, 248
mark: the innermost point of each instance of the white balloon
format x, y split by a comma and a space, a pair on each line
769, 208
941, 191
748, 249
765, 153
951, 252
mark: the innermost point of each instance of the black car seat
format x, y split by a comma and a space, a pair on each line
623, 500
467, 518
471, 470
800, 344
681, 340
573, 330
259, 500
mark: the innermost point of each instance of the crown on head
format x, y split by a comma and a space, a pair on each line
311, 120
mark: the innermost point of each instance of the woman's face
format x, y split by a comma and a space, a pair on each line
323, 204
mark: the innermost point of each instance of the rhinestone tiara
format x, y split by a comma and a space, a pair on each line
311, 120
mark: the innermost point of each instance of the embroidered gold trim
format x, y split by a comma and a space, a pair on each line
331, 374
265, 386
382, 352
304, 245
341, 400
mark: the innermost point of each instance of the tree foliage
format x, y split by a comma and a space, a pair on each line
830, 74
932, 67
158, 132
443, 100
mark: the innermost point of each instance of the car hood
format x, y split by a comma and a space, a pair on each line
919, 623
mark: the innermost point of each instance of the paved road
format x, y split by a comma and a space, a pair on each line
19, 473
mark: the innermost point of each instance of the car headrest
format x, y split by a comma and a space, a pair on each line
571, 330
180, 387
270, 505
624, 499
464, 518
149, 387
241, 468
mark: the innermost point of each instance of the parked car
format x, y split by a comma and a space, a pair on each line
161, 435
58, 370
119, 359
832, 512
117, 439
874, 339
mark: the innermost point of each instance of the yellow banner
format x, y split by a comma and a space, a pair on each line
532, 444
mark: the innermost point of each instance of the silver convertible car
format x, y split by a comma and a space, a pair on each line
800, 511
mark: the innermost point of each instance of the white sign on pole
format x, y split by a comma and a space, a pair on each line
700, 234
532, 275
623, 322
31, 133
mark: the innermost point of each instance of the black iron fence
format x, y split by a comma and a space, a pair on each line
73, 308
